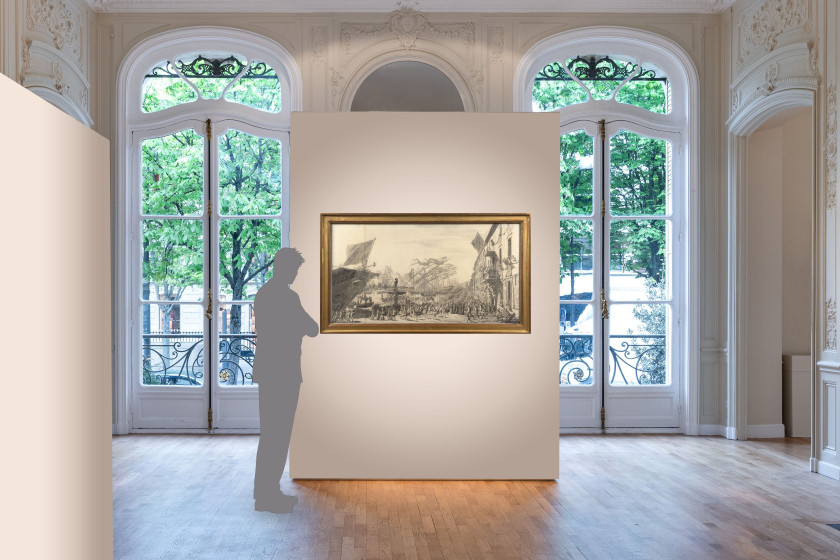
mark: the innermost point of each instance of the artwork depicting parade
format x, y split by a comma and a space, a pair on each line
425, 273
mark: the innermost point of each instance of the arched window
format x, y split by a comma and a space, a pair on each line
602, 77
625, 145
204, 189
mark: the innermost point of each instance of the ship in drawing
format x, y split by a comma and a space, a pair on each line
349, 281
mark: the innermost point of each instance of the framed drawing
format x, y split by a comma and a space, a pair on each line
425, 273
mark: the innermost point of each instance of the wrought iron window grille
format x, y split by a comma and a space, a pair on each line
597, 69
203, 67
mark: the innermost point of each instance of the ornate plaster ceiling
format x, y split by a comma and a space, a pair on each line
480, 6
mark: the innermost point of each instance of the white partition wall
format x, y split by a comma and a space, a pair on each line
428, 406
55, 476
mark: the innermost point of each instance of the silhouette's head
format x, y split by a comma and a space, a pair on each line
287, 261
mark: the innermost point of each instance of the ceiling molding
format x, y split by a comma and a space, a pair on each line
428, 6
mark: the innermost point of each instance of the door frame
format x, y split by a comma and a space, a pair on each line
682, 70
639, 121
133, 67
741, 126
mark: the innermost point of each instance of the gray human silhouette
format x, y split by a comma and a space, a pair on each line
281, 323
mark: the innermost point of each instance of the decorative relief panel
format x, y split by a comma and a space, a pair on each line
54, 56
760, 28
792, 66
408, 25
497, 44
831, 324
62, 23
319, 44
831, 148
408, 31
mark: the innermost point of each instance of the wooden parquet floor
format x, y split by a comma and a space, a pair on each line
618, 497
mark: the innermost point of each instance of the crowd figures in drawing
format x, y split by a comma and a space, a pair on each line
425, 273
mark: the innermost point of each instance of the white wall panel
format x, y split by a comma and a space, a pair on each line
474, 406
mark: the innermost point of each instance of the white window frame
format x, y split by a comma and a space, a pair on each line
133, 122
683, 118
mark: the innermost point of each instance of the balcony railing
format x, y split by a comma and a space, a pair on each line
178, 358
633, 360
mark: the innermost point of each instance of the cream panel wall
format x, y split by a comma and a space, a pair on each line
785, 53
764, 275
465, 406
797, 185
480, 53
55, 476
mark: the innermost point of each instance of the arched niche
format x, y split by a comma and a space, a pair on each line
407, 85
761, 113
436, 67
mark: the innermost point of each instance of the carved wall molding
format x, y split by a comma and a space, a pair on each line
53, 55
831, 148
62, 23
787, 67
761, 27
50, 74
337, 84
318, 39
497, 44
831, 324
814, 58
409, 35
339, 6
407, 26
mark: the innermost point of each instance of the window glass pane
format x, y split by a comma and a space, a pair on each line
638, 259
173, 344
576, 259
237, 341
172, 259
638, 345
259, 88
250, 174
640, 175
552, 95
654, 96
576, 324
246, 256
173, 174
576, 163
163, 88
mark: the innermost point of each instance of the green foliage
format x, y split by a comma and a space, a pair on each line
654, 318
551, 95
165, 91
259, 93
250, 185
638, 181
161, 93
650, 95
576, 195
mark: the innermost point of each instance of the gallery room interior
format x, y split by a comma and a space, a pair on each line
574, 265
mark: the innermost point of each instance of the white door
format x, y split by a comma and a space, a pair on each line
619, 290
203, 242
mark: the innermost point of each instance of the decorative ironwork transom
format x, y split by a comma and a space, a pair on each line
597, 69
203, 67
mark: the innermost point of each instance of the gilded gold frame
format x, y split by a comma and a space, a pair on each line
522, 220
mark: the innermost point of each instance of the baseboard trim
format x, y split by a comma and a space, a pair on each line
829, 470
765, 431
119, 428
244, 431
569, 431
731, 432
711, 430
